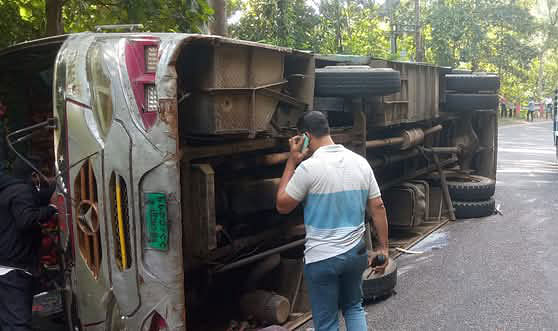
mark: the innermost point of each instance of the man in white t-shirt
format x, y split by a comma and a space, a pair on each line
336, 185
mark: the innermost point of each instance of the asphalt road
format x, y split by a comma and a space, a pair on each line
495, 273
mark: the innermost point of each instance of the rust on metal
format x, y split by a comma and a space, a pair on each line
407, 139
200, 152
169, 115
445, 189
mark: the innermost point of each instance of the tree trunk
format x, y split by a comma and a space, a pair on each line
53, 10
218, 26
541, 74
338, 35
282, 19
500, 52
475, 64
418, 35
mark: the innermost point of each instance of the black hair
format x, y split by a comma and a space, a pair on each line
314, 122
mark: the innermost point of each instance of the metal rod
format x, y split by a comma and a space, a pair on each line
384, 142
445, 189
443, 150
129, 27
415, 174
254, 258
390, 159
398, 140
433, 129
243, 89
26, 137
51, 123
48, 123
284, 98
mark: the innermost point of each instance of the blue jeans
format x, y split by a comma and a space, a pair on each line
336, 284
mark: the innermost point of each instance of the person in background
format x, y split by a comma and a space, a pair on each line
511, 110
337, 186
548, 108
503, 108
24, 204
530, 109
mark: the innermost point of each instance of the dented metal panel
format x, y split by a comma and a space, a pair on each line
140, 157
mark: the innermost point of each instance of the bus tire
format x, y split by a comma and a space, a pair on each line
378, 286
472, 82
474, 209
356, 81
470, 102
470, 187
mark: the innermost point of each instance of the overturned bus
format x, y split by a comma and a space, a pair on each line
167, 149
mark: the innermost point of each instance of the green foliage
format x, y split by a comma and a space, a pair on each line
365, 36
550, 78
155, 15
283, 23
483, 35
480, 32
22, 20
329, 26
514, 38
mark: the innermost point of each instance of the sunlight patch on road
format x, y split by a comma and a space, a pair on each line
526, 171
526, 151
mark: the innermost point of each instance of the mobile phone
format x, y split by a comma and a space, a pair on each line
305, 143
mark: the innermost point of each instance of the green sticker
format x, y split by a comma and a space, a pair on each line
156, 218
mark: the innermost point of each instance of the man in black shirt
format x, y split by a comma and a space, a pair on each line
23, 206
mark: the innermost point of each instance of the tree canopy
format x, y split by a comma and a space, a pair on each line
513, 38
22, 20
517, 39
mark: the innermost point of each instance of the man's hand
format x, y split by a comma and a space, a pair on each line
296, 154
378, 269
377, 210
